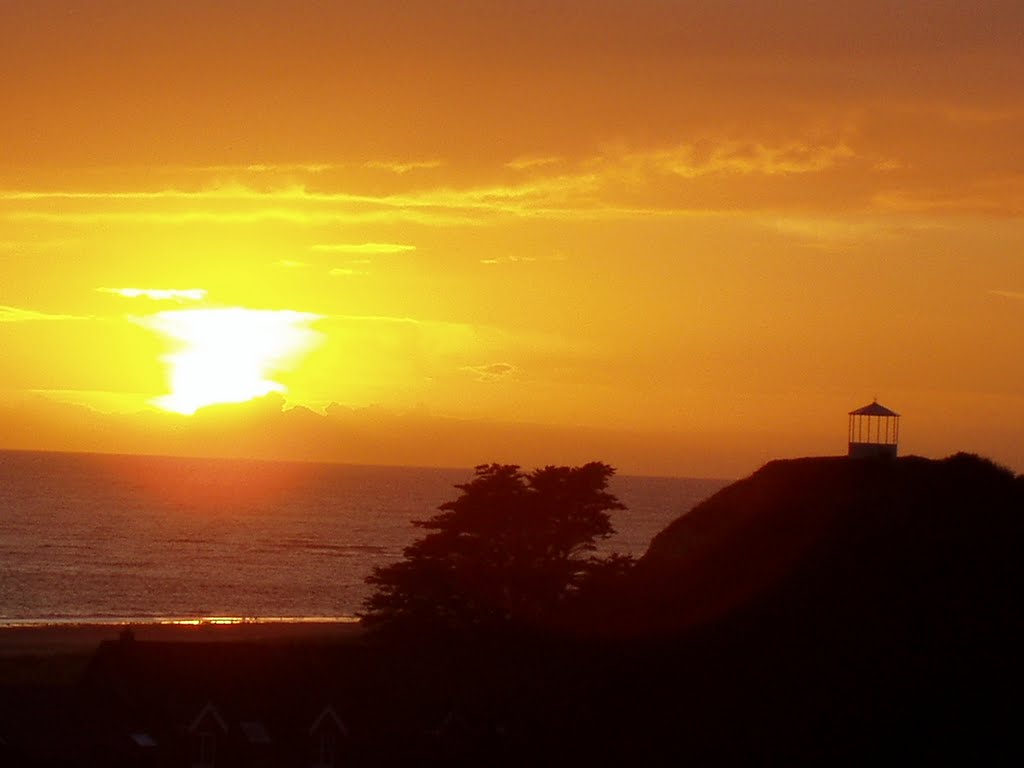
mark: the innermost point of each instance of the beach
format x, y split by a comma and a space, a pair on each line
53, 639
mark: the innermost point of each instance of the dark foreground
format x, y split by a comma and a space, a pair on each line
709, 700
822, 612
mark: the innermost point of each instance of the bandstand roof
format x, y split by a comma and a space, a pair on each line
873, 409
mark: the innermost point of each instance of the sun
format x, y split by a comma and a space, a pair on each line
226, 355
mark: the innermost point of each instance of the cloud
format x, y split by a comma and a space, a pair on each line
291, 264
890, 164
362, 248
509, 260
993, 197
461, 334
229, 204
492, 372
378, 319
571, 195
158, 294
696, 176
347, 272
237, 168
1017, 295
37, 245
19, 315
280, 167
829, 232
605, 185
292, 215
528, 163
402, 167
733, 157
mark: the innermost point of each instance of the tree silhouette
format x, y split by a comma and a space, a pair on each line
514, 547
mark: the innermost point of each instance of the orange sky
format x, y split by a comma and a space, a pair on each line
678, 238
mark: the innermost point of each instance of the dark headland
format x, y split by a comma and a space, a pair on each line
822, 611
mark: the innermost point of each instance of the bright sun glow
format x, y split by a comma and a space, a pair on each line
227, 355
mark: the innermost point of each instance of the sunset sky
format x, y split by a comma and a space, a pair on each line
679, 237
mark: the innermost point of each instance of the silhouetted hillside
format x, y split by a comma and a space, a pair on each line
912, 536
835, 611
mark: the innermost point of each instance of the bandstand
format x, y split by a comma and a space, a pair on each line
874, 432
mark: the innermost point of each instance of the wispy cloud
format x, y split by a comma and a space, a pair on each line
698, 177
831, 232
280, 167
509, 260
347, 272
399, 167
890, 164
231, 192
177, 169
158, 294
362, 248
291, 264
37, 245
398, 319
732, 157
449, 329
997, 196
264, 208
428, 347
529, 163
598, 187
20, 315
491, 372
1017, 295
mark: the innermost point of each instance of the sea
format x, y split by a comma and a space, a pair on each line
98, 538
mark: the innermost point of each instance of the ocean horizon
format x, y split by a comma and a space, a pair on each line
89, 538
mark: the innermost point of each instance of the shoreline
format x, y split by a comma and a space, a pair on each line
48, 639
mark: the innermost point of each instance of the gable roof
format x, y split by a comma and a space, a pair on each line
328, 715
873, 409
212, 711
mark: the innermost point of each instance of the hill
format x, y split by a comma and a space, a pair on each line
911, 534
835, 611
